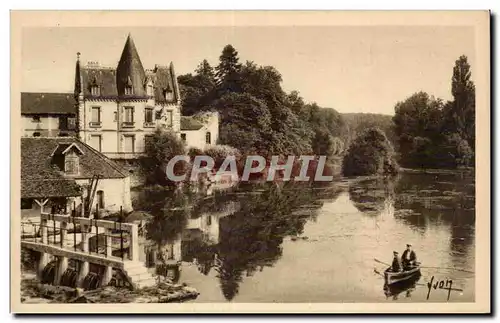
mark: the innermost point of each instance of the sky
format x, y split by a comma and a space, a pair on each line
349, 68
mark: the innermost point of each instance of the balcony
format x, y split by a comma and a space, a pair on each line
128, 124
95, 124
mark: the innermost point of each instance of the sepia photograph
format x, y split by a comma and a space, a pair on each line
250, 162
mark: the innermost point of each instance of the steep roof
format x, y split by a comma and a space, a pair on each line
130, 71
164, 80
41, 177
47, 103
103, 77
189, 123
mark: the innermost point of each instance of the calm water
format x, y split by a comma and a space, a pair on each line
318, 244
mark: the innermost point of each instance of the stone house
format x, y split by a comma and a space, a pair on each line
118, 108
56, 173
48, 114
200, 130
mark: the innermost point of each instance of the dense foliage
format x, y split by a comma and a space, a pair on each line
162, 146
355, 123
257, 115
370, 153
435, 134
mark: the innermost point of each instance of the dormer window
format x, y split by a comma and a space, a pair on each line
128, 87
95, 90
128, 90
67, 157
94, 87
72, 164
168, 93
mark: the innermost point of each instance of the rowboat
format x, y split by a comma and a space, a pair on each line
397, 277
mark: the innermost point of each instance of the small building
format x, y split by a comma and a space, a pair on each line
56, 173
200, 130
48, 114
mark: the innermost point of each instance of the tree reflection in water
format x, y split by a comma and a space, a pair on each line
371, 196
250, 238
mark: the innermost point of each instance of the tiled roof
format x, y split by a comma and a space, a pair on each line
41, 177
45, 188
130, 71
47, 103
165, 81
189, 123
105, 78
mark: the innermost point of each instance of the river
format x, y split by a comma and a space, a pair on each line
303, 244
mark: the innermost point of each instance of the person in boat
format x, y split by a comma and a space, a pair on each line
409, 257
396, 263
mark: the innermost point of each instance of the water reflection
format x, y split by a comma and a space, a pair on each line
406, 288
231, 236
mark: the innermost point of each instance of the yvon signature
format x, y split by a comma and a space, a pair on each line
441, 284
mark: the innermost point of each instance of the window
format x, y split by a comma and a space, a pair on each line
128, 90
95, 142
148, 115
150, 89
208, 138
96, 116
148, 140
129, 143
209, 220
129, 115
26, 204
36, 119
71, 164
115, 116
158, 115
100, 199
63, 123
170, 118
183, 136
168, 93
36, 134
71, 123
95, 90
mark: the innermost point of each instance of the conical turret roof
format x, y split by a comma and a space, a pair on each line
130, 71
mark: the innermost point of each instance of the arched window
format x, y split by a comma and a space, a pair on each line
208, 138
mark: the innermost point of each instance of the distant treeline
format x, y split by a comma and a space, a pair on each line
259, 117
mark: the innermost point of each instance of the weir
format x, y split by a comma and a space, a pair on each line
94, 246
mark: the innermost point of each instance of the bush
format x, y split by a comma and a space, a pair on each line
220, 152
370, 154
163, 146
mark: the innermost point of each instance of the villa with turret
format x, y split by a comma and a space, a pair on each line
110, 116
119, 108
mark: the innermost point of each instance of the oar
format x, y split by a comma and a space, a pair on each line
381, 262
429, 267
449, 268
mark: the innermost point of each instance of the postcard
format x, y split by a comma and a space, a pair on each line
250, 162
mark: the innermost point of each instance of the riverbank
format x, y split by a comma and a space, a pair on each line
34, 292
468, 170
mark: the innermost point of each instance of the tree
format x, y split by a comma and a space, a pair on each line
162, 146
417, 125
228, 71
245, 122
197, 90
463, 107
370, 154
